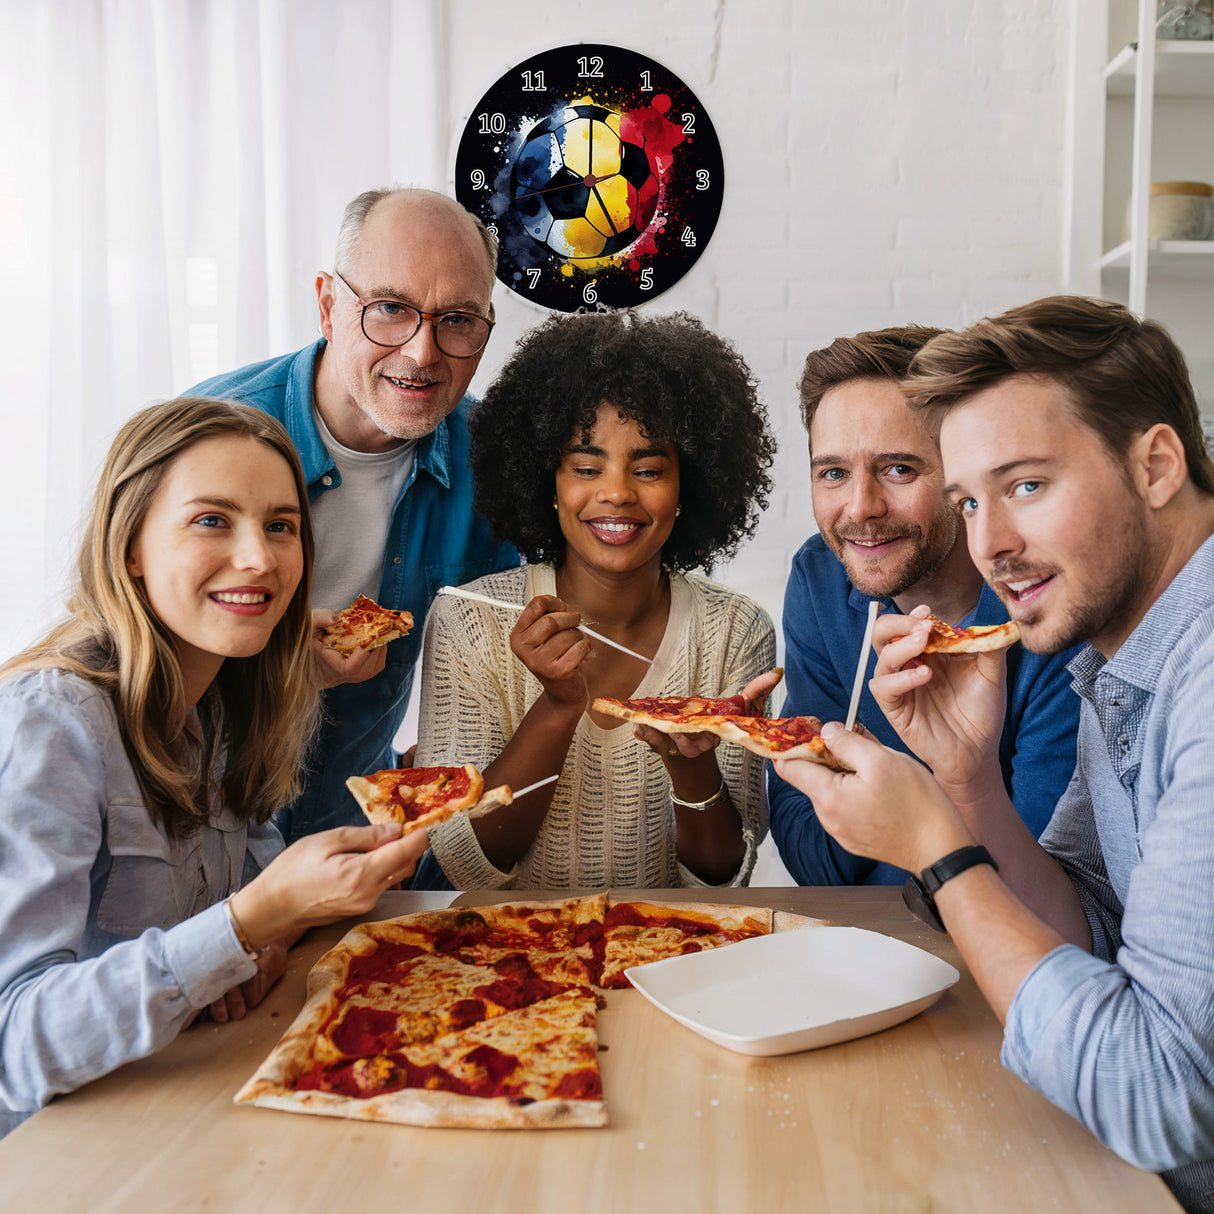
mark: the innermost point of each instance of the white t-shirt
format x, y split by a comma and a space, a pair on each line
351, 521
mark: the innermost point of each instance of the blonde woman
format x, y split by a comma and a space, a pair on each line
143, 745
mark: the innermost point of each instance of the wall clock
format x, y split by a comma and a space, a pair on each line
600, 172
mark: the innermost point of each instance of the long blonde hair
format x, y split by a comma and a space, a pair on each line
260, 712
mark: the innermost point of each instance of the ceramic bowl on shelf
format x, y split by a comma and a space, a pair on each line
1180, 210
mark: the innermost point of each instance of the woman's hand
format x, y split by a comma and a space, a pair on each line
271, 966
545, 639
325, 877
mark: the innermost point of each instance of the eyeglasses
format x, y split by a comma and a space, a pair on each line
392, 323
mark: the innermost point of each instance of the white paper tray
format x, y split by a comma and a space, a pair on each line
796, 990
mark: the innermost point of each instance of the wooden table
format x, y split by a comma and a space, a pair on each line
919, 1117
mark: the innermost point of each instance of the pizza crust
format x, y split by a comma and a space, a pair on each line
978, 638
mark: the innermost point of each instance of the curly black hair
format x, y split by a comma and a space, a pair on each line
680, 383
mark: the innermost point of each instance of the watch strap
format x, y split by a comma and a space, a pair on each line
955, 863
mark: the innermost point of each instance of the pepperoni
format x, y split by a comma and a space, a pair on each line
364, 1031
626, 914
580, 1085
465, 1012
513, 993
380, 966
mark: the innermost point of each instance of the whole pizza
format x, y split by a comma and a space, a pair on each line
483, 1018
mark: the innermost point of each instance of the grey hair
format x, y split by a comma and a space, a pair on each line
356, 213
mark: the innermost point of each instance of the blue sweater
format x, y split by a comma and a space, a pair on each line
824, 622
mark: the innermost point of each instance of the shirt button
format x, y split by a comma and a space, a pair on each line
1125, 742
396, 560
326, 480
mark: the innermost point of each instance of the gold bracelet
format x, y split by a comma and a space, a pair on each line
253, 954
719, 795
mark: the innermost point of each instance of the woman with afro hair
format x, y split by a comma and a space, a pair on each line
617, 452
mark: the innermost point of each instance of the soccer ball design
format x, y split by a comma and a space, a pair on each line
580, 189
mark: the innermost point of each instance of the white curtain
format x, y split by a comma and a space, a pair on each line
172, 173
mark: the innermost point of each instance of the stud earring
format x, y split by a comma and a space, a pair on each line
677, 511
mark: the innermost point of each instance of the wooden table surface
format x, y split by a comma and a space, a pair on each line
919, 1117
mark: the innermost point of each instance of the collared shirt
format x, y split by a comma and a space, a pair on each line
824, 623
1123, 1037
435, 539
112, 933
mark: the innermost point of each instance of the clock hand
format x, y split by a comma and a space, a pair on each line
594, 189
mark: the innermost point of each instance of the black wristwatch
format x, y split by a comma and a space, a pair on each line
918, 892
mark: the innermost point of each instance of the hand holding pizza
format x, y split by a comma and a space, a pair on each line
325, 877
948, 709
335, 667
888, 808
547, 641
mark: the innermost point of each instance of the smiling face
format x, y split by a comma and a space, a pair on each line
878, 488
425, 251
1052, 521
219, 552
617, 490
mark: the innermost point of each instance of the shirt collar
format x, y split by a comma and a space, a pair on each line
433, 453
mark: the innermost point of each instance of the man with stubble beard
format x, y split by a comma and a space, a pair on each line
886, 532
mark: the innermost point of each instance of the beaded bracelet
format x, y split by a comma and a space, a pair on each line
719, 795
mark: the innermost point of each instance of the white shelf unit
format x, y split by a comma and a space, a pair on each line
1142, 110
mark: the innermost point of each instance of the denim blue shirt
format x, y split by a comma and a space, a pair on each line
1123, 1038
824, 622
435, 539
111, 932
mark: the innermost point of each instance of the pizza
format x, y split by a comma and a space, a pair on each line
979, 638
771, 737
781, 738
365, 625
673, 714
420, 797
482, 1018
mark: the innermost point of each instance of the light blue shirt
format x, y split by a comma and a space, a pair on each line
112, 933
1123, 1038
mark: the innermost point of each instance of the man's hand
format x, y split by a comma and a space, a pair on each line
547, 642
890, 809
948, 709
337, 668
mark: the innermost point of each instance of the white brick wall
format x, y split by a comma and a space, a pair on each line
886, 161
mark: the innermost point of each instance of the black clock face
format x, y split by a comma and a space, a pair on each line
600, 172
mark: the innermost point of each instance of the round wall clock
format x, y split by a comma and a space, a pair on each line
600, 172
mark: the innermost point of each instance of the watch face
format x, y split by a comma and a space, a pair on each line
600, 173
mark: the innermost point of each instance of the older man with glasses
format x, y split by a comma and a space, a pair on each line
378, 412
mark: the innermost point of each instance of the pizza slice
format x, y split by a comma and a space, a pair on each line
674, 714
366, 625
420, 797
636, 933
978, 638
781, 738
